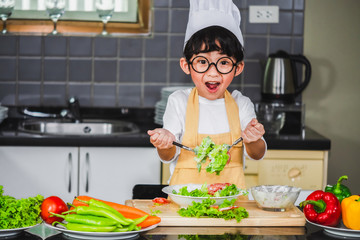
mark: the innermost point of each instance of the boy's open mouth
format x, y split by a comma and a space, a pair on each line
212, 85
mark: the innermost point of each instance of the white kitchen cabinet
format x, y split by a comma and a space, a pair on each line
111, 173
28, 171
103, 172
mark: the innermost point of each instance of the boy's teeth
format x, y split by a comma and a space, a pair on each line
212, 85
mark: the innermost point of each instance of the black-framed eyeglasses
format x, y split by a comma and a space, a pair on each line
223, 65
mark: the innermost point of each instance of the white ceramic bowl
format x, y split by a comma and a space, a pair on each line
275, 197
184, 201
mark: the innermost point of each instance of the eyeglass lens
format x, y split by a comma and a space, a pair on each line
223, 65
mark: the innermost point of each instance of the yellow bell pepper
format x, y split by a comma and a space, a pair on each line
350, 208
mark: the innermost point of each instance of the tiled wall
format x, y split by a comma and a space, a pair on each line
130, 72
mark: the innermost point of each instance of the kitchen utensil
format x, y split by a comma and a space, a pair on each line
276, 198
235, 142
184, 147
184, 201
280, 81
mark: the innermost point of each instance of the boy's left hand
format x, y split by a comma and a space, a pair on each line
253, 131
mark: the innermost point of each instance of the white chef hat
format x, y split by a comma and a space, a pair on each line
206, 13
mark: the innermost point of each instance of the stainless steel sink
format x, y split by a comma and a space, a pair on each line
85, 128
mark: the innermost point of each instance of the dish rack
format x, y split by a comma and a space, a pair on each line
3, 113
160, 106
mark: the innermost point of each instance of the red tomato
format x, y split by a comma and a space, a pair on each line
212, 188
161, 200
55, 205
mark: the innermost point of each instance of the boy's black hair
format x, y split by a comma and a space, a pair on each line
229, 44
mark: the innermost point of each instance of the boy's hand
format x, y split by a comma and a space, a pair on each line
161, 138
253, 131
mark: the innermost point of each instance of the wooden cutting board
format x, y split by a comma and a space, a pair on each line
257, 217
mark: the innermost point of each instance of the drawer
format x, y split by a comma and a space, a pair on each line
251, 180
251, 166
307, 174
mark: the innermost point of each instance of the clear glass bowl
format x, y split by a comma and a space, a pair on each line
184, 201
277, 198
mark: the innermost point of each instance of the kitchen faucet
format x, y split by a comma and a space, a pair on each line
72, 112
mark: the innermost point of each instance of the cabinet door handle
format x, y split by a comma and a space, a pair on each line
87, 163
70, 171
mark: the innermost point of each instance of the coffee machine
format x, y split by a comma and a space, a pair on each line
279, 89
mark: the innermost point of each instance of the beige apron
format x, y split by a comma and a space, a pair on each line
186, 170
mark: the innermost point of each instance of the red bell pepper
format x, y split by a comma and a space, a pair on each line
322, 208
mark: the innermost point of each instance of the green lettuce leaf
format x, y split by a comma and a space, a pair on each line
202, 151
216, 153
206, 209
219, 157
18, 213
204, 192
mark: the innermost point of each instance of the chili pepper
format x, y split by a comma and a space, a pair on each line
100, 212
322, 208
139, 220
341, 191
96, 203
86, 228
350, 208
87, 219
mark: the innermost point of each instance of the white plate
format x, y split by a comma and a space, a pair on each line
13, 232
100, 235
338, 231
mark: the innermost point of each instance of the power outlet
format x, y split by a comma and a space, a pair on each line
264, 14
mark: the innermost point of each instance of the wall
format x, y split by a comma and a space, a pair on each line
116, 72
331, 42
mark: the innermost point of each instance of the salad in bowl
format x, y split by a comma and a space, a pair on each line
185, 194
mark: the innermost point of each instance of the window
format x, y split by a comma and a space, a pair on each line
80, 18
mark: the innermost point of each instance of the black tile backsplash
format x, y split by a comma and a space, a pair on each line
55, 46
55, 70
8, 46
80, 70
30, 46
30, 69
80, 46
130, 71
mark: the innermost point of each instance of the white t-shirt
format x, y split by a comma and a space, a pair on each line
212, 116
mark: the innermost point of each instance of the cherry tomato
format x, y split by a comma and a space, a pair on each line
212, 188
161, 200
55, 205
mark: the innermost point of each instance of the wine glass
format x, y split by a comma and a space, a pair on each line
105, 9
55, 9
6, 8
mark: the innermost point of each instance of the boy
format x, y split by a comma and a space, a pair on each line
213, 56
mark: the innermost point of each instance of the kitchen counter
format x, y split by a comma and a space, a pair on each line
308, 232
11, 136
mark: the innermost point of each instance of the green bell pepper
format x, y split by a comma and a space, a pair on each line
341, 191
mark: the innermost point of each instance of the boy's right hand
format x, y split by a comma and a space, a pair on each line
161, 138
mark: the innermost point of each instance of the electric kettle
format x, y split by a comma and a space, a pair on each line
280, 83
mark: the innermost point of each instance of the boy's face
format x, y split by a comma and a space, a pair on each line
211, 84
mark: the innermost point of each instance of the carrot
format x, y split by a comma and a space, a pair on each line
126, 211
149, 221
